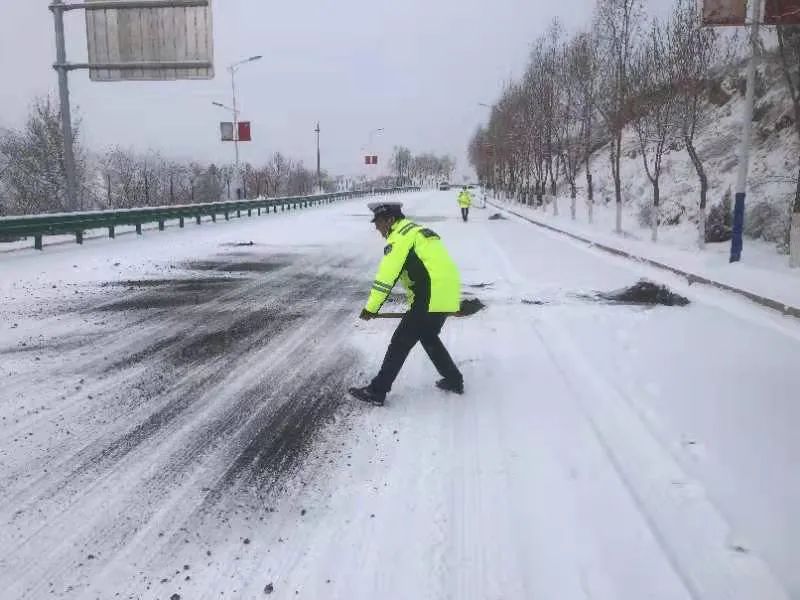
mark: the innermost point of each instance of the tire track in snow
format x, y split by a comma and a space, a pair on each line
287, 419
693, 536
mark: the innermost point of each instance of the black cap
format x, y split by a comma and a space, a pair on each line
385, 209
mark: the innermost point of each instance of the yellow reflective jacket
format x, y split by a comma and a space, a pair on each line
417, 257
464, 199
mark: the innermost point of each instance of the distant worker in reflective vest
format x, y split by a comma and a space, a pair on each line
464, 201
417, 258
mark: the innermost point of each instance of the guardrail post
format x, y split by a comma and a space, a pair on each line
111, 233
161, 224
198, 219
213, 217
37, 242
138, 229
180, 222
227, 218
238, 214
78, 237
250, 212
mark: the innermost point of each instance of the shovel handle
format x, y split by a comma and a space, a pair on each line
400, 315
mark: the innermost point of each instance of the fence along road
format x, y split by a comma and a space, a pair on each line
77, 223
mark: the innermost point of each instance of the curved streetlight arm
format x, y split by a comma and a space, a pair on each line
225, 106
236, 65
372, 135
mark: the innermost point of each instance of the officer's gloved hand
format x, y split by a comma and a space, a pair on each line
366, 315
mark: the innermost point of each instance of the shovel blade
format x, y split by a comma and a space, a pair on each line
469, 307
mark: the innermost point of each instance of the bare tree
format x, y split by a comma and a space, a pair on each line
617, 26
789, 49
401, 164
536, 104
120, 170
583, 75
694, 50
570, 123
277, 175
301, 181
653, 109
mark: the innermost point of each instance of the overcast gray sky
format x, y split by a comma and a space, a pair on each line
417, 68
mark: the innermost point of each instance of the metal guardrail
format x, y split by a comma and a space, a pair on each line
77, 223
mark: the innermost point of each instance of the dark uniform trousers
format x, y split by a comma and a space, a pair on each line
422, 327
465, 213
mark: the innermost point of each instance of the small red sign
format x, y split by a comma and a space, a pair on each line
244, 131
370, 159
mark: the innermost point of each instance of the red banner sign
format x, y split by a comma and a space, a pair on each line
244, 131
370, 160
724, 12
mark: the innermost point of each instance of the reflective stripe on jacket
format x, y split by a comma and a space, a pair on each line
417, 257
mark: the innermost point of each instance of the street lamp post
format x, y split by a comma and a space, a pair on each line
235, 110
319, 163
368, 148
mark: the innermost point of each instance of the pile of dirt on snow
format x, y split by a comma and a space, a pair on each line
497, 217
644, 292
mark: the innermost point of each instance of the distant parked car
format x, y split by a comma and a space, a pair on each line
444, 186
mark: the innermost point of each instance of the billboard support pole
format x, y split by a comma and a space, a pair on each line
57, 7
747, 127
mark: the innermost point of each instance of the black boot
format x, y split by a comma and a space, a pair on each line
368, 395
449, 385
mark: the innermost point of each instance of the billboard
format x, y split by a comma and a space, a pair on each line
782, 12
163, 39
724, 12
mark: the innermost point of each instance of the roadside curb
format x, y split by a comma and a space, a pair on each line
692, 278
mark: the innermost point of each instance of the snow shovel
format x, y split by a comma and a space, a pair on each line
469, 307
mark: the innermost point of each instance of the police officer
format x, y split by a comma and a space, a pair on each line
417, 257
464, 201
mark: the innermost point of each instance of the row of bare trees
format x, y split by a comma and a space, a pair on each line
32, 178
424, 170
583, 92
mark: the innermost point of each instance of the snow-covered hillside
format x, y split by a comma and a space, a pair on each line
773, 167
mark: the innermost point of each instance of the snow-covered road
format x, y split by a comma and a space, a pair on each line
174, 423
